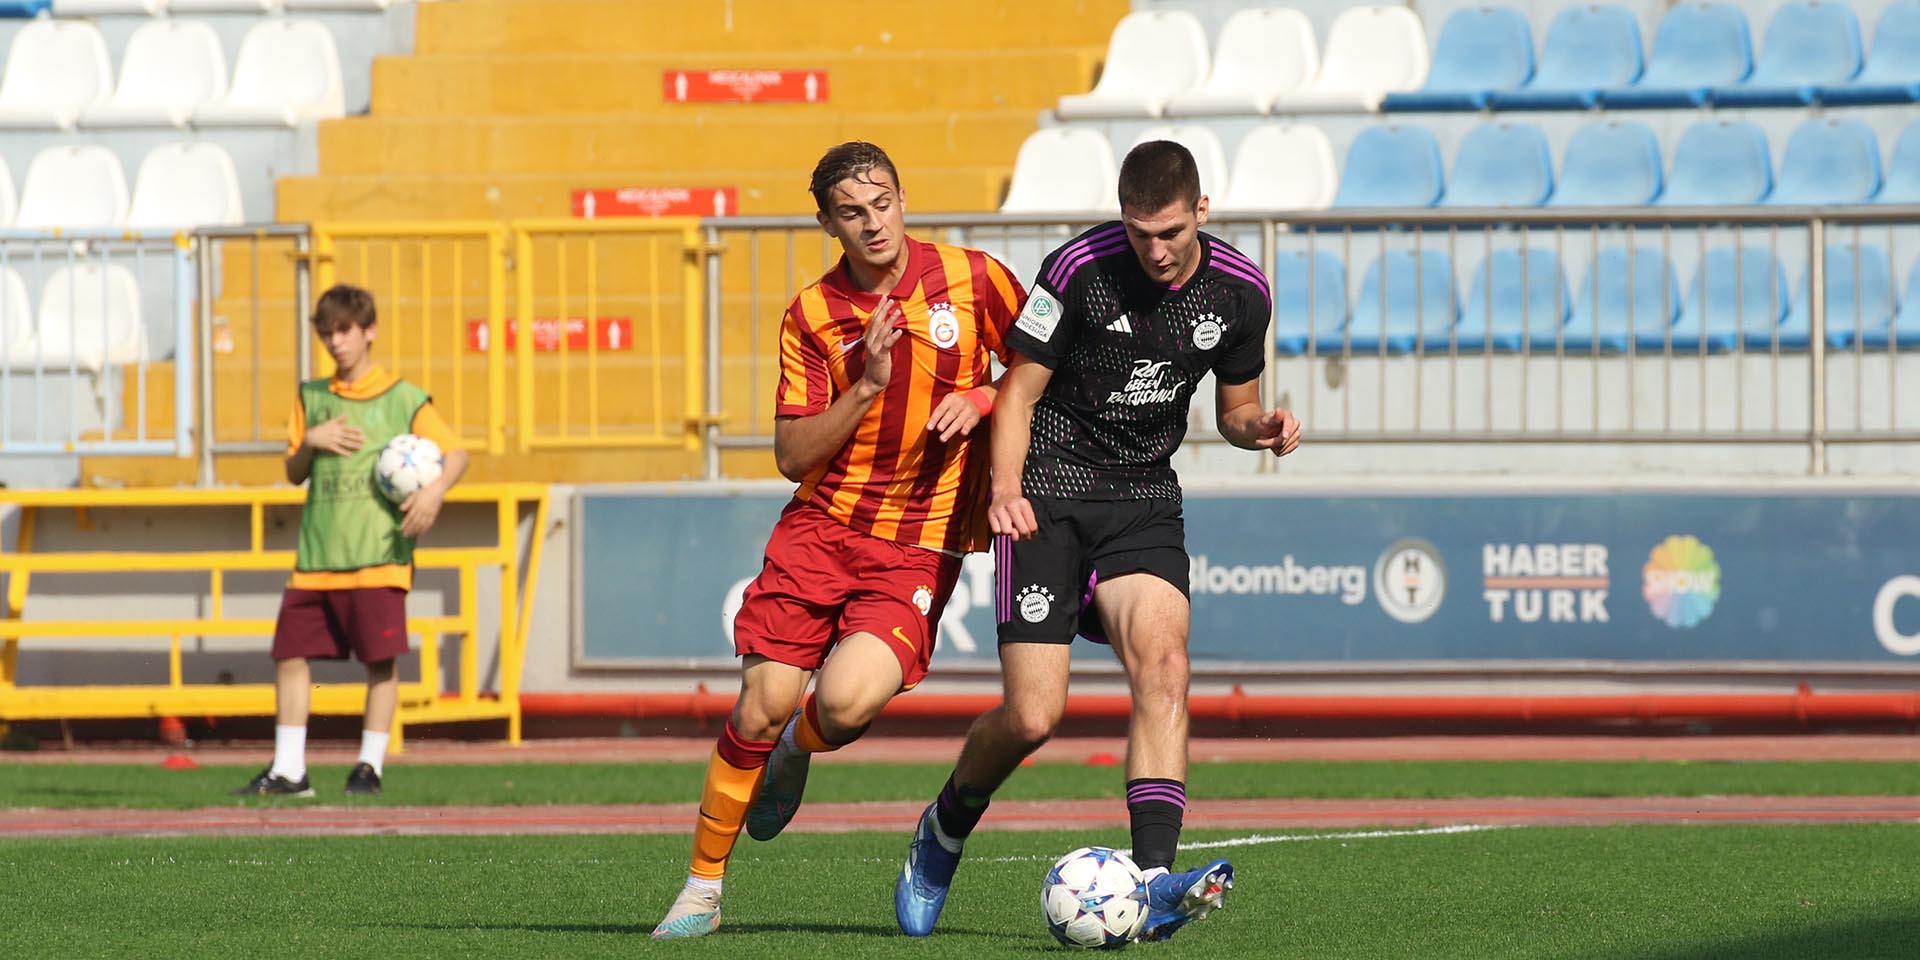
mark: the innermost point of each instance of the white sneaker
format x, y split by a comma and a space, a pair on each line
695, 913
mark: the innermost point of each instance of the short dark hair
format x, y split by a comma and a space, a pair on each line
1157, 173
848, 161
343, 304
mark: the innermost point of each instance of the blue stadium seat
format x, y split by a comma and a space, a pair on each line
1810, 44
1735, 296
1906, 325
1859, 301
1827, 162
1414, 300
24, 8
1625, 302
1481, 49
1391, 166
1501, 165
1610, 164
1588, 49
1309, 299
1892, 74
1699, 46
1512, 307
1719, 162
1903, 171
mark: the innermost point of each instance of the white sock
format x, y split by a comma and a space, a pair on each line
702, 883
1151, 872
289, 752
373, 749
952, 845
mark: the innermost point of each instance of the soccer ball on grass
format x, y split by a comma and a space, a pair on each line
1094, 897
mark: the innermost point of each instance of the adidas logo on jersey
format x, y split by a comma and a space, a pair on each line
1122, 325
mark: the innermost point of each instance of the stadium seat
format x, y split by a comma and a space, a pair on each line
1859, 299
1263, 52
1828, 162
9, 201
1588, 49
55, 69
1309, 300
1501, 165
185, 185
90, 317
340, 4
1481, 49
1064, 170
1810, 44
1719, 162
1609, 164
222, 6
1154, 55
1205, 146
1892, 73
1627, 302
109, 8
17, 347
1903, 171
1391, 166
1516, 303
1699, 46
171, 67
1735, 297
1405, 302
287, 73
1370, 52
75, 187
1281, 167
23, 8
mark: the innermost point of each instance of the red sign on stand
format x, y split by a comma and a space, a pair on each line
610, 333
657, 202
745, 86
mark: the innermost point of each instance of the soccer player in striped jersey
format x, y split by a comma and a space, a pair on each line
1124, 323
884, 377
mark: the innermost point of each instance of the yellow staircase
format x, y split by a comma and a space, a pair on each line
507, 107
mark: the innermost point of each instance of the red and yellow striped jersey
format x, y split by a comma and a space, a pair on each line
893, 479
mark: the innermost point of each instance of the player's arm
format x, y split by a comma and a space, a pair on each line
334, 436
422, 508
1001, 301
801, 444
1249, 426
1020, 388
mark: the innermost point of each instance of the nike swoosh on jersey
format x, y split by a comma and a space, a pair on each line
901, 635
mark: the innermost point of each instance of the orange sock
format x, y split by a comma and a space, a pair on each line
807, 734
733, 778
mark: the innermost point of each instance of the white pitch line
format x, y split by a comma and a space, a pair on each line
1259, 839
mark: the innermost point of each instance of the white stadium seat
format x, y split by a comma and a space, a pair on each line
9, 201
55, 68
184, 185
223, 6
1282, 167
1064, 170
374, 5
109, 8
1263, 53
1204, 144
1370, 52
17, 349
76, 187
287, 73
1154, 55
90, 317
171, 67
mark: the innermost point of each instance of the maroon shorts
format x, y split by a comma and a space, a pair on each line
371, 622
823, 581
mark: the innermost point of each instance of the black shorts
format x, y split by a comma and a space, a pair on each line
1043, 585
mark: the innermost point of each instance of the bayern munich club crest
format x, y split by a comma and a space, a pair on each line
1034, 602
1206, 333
943, 325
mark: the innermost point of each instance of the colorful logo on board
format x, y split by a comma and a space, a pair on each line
1681, 581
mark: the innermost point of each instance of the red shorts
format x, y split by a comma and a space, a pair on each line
823, 581
326, 624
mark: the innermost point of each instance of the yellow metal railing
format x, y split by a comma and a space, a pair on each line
421, 701
634, 291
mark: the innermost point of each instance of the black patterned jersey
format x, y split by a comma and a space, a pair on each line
1126, 354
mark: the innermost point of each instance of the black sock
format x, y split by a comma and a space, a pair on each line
1156, 808
959, 809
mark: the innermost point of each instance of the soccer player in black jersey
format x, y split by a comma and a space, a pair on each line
1122, 323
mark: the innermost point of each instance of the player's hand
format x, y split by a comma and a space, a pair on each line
1012, 516
885, 328
955, 415
420, 510
335, 436
1277, 430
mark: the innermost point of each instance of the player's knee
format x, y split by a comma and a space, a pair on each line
1162, 678
1032, 726
844, 722
760, 718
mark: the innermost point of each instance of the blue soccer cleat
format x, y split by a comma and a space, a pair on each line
922, 888
1177, 899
